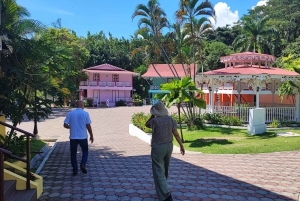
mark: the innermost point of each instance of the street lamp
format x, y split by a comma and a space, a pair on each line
35, 130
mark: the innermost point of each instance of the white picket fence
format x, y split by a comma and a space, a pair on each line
278, 113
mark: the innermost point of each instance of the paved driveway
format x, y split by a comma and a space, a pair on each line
119, 167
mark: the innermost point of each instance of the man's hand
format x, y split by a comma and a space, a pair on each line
92, 139
182, 151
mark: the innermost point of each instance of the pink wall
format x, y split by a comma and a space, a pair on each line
267, 98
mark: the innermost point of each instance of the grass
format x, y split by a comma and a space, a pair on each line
217, 140
36, 146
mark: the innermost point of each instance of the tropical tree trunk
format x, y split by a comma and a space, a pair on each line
180, 125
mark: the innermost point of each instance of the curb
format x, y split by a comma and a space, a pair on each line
46, 158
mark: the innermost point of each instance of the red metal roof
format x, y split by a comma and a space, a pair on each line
254, 70
165, 71
108, 69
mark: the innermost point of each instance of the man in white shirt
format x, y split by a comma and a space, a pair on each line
79, 122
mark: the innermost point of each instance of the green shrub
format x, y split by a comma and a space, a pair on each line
175, 116
120, 103
88, 102
17, 144
213, 118
274, 124
139, 120
137, 103
196, 125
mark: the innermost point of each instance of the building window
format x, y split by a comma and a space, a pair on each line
115, 78
169, 80
96, 77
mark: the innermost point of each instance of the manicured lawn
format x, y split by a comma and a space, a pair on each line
216, 140
36, 146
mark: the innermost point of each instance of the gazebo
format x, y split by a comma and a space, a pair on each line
247, 81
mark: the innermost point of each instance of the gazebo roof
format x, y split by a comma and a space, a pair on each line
251, 70
250, 64
248, 57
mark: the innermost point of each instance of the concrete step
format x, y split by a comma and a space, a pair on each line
11, 194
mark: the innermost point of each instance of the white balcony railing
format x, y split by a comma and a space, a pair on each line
124, 99
156, 87
106, 84
278, 113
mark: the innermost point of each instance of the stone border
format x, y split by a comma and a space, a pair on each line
46, 158
135, 131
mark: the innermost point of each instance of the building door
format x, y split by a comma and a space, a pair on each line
96, 94
115, 95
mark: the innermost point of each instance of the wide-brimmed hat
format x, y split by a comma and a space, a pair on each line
159, 109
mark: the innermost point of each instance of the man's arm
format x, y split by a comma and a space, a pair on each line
89, 128
178, 139
148, 125
67, 126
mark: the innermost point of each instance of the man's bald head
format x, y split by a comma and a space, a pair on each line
80, 104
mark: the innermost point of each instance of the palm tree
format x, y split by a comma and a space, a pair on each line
188, 12
150, 50
255, 35
181, 91
16, 33
154, 20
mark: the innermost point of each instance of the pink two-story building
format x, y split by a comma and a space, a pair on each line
107, 82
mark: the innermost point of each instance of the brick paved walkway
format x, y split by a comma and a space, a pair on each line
119, 167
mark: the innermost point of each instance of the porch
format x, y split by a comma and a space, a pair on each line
105, 84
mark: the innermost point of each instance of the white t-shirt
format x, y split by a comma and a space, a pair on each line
77, 120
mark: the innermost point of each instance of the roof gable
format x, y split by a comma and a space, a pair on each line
105, 67
165, 71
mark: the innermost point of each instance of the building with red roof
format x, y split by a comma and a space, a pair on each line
107, 83
158, 74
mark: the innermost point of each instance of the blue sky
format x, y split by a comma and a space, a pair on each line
114, 16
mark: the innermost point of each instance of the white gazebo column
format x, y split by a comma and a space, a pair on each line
273, 92
211, 99
257, 97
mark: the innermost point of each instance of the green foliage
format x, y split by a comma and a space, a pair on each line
213, 118
216, 118
120, 103
274, 124
16, 144
139, 120
285, 122
197, 124
88, 102
213, 53
176, 117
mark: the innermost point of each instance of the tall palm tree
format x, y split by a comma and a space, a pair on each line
154, 19
189, 11
150, 50
255, 35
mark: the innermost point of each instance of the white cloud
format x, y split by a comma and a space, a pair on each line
225, 15
261, 3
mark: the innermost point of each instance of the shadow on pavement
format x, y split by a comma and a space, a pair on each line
114, 176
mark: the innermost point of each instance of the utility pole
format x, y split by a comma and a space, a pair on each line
0, 37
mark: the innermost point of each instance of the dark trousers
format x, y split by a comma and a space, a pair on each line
161, 156
83, 143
